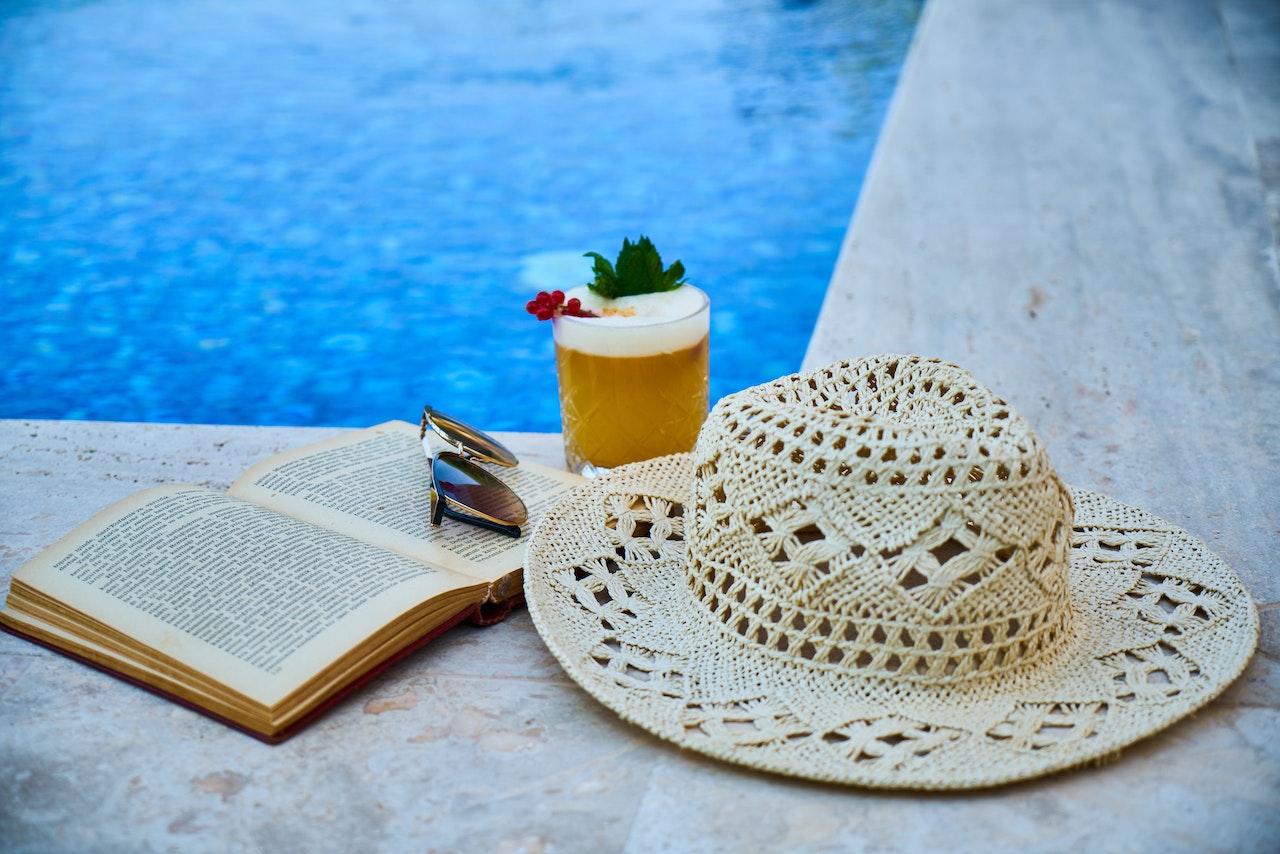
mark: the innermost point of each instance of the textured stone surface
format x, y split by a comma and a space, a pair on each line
1066, 201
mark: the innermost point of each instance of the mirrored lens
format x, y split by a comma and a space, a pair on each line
469, 487
475, 442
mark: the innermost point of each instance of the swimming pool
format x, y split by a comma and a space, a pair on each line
327, 213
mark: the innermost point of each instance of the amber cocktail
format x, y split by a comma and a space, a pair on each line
633, 382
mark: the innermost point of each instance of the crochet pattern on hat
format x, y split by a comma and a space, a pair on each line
871, 574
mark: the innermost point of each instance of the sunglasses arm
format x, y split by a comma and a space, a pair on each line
433, 443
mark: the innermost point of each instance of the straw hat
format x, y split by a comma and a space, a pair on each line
871, 574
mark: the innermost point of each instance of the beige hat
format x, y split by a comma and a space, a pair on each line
871, 574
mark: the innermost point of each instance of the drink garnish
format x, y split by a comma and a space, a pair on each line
638, 270
547, 305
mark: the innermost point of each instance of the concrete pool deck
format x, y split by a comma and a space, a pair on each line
1073, 200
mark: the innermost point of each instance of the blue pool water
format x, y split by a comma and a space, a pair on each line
323, 212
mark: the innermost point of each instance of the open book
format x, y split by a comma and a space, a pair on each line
261, 606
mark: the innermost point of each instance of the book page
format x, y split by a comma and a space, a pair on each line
257, 601
375, 484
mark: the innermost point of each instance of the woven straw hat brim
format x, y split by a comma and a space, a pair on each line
1161, 627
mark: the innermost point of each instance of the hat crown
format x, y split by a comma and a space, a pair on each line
891, 517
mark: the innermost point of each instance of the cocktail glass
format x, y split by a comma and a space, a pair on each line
633, 383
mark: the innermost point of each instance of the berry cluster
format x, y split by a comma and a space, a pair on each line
547, 305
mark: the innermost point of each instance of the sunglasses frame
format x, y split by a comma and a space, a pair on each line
462, 457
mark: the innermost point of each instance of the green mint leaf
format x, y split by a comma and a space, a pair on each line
638, 271
606, 283
674, 277
639, 266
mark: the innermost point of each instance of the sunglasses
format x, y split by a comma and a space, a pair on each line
464, 490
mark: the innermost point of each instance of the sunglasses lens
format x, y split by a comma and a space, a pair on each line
468, 486
475, 442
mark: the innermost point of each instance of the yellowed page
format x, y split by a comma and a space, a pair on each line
259, 602
223, 703
375, 484
127, 657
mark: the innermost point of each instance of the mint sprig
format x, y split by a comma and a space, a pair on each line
637, 271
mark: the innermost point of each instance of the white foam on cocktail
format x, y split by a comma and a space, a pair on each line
650, 324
